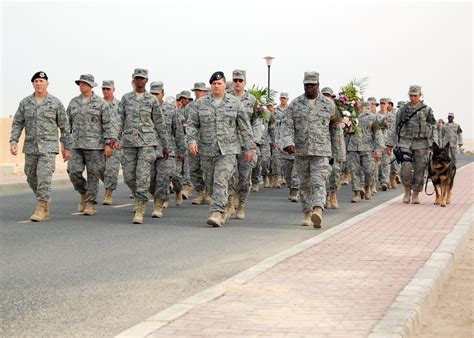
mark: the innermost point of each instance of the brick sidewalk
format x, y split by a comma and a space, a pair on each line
338, 288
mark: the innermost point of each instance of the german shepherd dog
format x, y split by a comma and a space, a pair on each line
441, 171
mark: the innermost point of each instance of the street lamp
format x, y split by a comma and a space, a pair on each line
268, 60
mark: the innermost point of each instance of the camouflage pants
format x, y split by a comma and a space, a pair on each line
136, 167
385, 167
275, 165
112, 167
313, 172
195, 171
394, 167
453, 153
361, 162
160, 175
256, 171
39, 172
240, 182
218, 171
412, 173
265, 153
288, 168
334, 181
183, 171
94, 162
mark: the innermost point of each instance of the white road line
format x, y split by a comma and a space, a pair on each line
76, 213
27, 221
122, 205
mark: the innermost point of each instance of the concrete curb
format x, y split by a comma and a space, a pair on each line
170, 314
12, 187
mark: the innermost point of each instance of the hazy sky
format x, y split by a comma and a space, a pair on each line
394, 44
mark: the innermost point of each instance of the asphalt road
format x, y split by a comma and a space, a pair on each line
96, 276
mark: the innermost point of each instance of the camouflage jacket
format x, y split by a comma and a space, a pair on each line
308, 127
280, 116
221, 130
113, 108
370, 137
90, 123
176, 142
451, 133
387, 122
419, 132
141, 121
251, 108
41, 123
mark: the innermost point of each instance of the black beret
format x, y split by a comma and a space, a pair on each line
39, 75
217, 76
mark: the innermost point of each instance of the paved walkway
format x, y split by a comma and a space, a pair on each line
343, 286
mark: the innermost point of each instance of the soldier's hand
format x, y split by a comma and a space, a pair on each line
290, 149
377, 155
249, 154
14, 149
66, 153
193, 149
165, 153
273, 146
114, 143
180, 158
107, 151
388, 149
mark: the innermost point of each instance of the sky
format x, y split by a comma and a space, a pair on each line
393, 43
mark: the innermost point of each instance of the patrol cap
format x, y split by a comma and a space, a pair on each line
270, 103
284, 94
239, 74
373, 100
311, 78
400, 103
384, 100
217, 76
327, 90
199, 86
186, 94
108, 84
389, 100
156, 87
415, 89
140, 72
87, 78
39, 75
440, 121
450, 114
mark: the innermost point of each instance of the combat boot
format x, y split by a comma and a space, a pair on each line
384, 186
293, 195
414, 197
333, 200
346, 179
307, 219
158, 208
266, 182
255, 187
46, 209
39, 214
108, 197
82, 203
187, 191
215, 219
240, 214
407, 196
276, 183
165, 205
327, 203
397, 179
89, 209
199, 198
229, 210
373, 188
367, 192
393, 182
135, 206
283, 181
356, 198
179, 198
138, 219
317, 217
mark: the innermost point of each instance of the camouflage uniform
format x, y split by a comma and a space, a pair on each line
264, 150
452, 133
221, 131
41, 122
194, 162
386, 123
112, 164
334, 182
90, 124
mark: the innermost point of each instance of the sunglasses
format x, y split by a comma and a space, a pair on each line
238, 80
106, 88
413, 95
382, 103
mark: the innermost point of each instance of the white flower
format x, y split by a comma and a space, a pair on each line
357, 89
346, 113
359, 95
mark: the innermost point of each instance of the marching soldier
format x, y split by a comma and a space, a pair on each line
452, 133
387, 120
40, 114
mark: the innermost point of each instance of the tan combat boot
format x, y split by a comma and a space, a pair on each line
293, 195
255, 187
240, 214
229, 210
179, 198
108, 197
89, 210
215, 219
393, 183
414, 197
139, 213
398, 179
346, 179
282, 181
39, 214
307, 219
208, 199
200, 198
266, 182
276, 183
373, 188
328, 203
158, 208
46, 209
356, 198
187, 191
317, 217
82, 203
165, 205
333, 200
407, 196
367, 192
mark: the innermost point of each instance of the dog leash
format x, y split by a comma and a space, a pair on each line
428, 177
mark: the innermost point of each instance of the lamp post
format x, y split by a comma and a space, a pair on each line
268, 60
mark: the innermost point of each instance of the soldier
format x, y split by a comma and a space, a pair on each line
91, 126
241, 182
218, 129
142, 126
414, 133
394, 166
163, 168
373, 110
388, 119
452, 134
333, 184
439, 128
307, 132
40, 114
184, 98
112, 164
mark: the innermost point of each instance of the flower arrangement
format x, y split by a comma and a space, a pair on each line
263, 96
350, 105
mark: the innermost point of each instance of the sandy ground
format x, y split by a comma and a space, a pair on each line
453, 313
